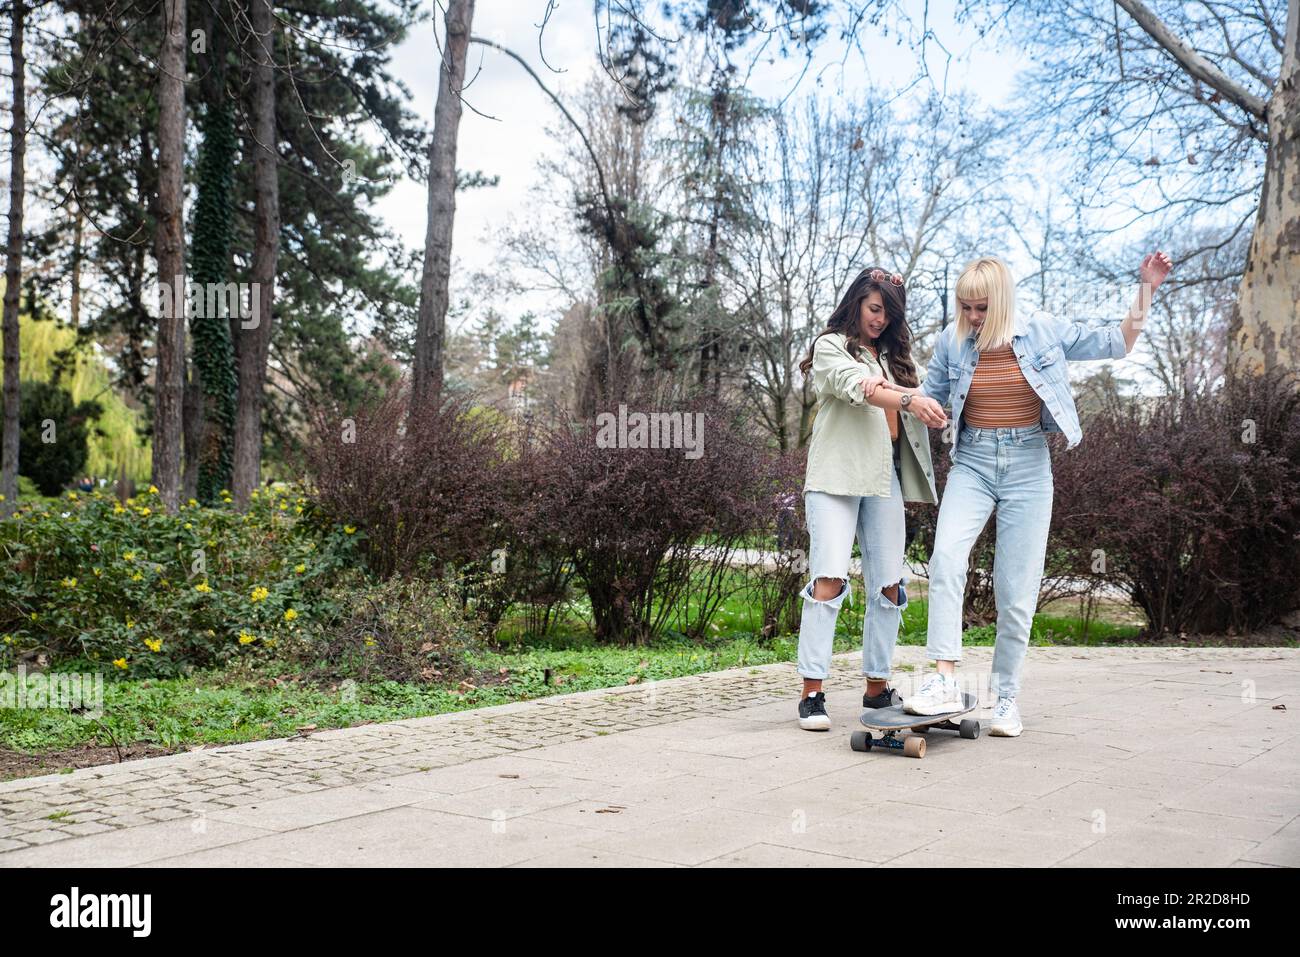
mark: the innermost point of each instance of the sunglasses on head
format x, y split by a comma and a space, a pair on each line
879, 275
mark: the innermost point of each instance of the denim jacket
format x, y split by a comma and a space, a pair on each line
1042, 345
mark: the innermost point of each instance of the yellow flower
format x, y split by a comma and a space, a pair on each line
153, 644
349, 529
192, 503
246, 639
284, 506
98, 571
128, 556
290, 615
69, 583
259, 594
370, 641
146, 511
137, 577
72, 496
153, 489
119, 663
2, 498
300, 568
187, 526
34, 616
118, 509
203, 587
130, 623
297, 510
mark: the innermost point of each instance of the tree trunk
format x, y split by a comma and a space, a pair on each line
1265, 330
13, 263
169, 375
431, 325
210, 400
253, 344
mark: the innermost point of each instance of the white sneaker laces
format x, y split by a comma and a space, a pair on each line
1004, 707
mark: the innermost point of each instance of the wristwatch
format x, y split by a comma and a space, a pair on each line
906, 400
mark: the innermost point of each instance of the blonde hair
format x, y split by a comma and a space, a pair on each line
988, 278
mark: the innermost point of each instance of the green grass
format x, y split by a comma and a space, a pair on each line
246, 704
257, 700
266, 701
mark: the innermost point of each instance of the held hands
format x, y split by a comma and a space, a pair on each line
871, 383
928, 411
922, 406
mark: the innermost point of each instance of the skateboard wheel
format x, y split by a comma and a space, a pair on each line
860, 741
914, 747
970, 728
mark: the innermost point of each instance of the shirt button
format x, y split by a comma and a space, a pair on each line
962, 396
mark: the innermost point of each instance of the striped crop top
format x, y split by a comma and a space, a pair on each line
999, 396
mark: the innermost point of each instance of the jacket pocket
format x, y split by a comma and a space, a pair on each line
1049, 356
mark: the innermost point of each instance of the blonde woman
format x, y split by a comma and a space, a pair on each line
1004, 374
868, 454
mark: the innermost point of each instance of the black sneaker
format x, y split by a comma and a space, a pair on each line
886, 699
812, 713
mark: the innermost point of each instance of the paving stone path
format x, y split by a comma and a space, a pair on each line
1130, 757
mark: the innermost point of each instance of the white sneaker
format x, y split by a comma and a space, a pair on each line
1006, 719
938, 694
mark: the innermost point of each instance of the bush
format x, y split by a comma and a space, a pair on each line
630, 519
53, 464
1195, 502
531, 566
774, 586
421, 487
93, 580
400, 630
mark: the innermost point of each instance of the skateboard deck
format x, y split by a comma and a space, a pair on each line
889, 722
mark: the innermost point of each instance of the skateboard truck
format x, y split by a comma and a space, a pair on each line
892, 722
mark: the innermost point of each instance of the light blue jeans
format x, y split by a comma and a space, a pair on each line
1009, 470
878, 523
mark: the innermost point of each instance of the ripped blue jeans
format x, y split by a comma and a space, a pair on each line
877, 521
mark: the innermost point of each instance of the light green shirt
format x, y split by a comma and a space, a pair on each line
851, 452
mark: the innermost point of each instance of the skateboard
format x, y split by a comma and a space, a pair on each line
890, 722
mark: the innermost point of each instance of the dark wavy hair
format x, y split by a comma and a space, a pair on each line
895, 340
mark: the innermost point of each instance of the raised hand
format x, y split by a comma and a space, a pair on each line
1155, 267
